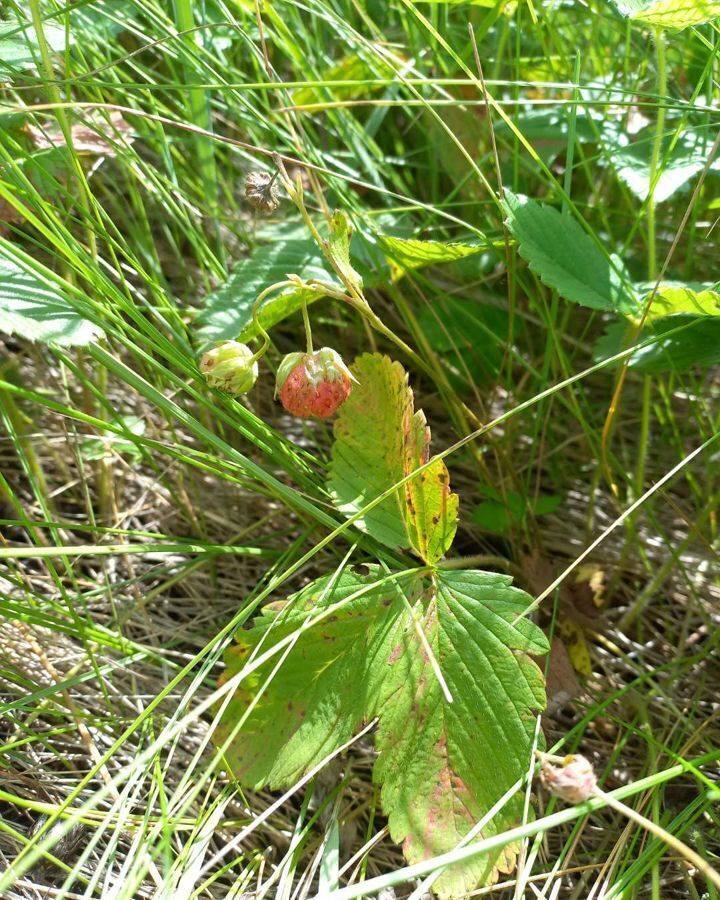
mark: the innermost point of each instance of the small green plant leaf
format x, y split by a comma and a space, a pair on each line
469, 337
353, 648
35, 307
499, 514
547, 129
566, 258
406, 254
379, 439
19, 47
227, 312
339, 246
102, 446
673, 298
633, 163
675, 14
352, 68
683, 341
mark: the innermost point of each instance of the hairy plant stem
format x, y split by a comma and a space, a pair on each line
262, 350
661, 88
354, 297
308, 329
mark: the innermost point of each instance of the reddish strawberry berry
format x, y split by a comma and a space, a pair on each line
313, 385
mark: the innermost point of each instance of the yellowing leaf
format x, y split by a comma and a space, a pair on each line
339, 246
352, 68
431, 510
679, 298
405, 254
676, 14
574, 638
379, 440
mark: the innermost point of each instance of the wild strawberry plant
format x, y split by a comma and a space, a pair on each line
439, 657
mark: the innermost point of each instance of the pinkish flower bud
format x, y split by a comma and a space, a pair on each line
313, 385
230, 367
574, 782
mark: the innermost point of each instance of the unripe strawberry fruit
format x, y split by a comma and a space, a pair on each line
230, 367
313, 385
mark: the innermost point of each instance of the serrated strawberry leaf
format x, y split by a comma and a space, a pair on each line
317, 698
442, 766
566, 258
675, 14
227, 312
38, 306
379, 440
339, 246
350, 649
407, 254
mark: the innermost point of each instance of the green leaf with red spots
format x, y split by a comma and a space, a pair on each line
348, 649
313, 695
379, 440
444, 765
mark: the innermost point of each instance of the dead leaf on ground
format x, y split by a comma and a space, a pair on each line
578, 609
96, 137
561, 683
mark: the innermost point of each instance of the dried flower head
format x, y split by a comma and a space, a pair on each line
261, 191
574, 781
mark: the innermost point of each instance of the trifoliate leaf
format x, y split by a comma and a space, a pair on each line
353, 648
227, 312
35, 307
566, 258
379, 439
